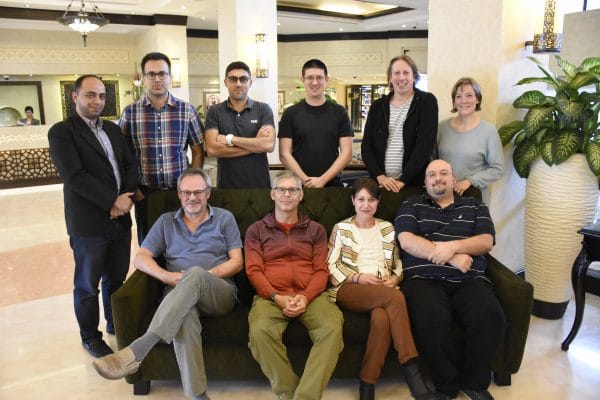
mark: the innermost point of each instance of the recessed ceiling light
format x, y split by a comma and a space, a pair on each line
341, 29
132, 12
404, 25
27, 5
183, 8
279, 24
203, 18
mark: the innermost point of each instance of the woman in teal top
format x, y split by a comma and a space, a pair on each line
472, 146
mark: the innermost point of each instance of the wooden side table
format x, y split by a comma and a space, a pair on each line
590, 251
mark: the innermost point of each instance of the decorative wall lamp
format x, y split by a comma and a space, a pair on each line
83, 22
550, 39
262, 61
175, 73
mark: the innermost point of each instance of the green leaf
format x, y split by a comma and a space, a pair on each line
507, 131
545, 149
536, 116
592, 155
541, 79
564, 145
589, 63
523, 156
595, 69
569, 69
520, 137
530, 99
582, 79
571, 108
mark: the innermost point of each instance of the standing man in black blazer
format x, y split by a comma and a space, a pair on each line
100, 175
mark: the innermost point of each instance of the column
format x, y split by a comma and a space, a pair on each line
239, 22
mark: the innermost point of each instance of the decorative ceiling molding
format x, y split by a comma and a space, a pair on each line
62, 56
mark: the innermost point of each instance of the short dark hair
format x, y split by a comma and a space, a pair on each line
28, 108
79, 81
411, 64
238, 65
476, 88
368, 184
195, 172
314, 63
155, 56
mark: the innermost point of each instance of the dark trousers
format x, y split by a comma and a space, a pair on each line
389, 323
434, 307
104, 256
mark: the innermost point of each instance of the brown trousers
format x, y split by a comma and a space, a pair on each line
389, 322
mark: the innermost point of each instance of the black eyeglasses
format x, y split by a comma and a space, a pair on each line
152, 75
243, 79
291, 190
186, 194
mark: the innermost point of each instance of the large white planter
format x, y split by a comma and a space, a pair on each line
559, 201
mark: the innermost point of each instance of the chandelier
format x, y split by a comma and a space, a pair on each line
82, 21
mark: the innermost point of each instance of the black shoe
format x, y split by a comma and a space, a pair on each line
415, 381
477, 394
97, 348
366, 391
110, 328
443, 396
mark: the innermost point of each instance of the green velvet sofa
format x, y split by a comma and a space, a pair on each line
225, 338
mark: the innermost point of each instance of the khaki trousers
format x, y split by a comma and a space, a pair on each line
324, 322
177, 320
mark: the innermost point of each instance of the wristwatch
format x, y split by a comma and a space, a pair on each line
228, 139
272, 296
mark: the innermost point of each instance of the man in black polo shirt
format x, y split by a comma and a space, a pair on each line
444, 239
240, 132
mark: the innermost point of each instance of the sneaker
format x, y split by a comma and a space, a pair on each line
477, 394
118, 365
97, 348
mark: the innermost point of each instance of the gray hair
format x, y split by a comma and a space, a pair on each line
194, 172
286, 174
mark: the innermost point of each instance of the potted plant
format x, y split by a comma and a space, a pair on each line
556, 127
557, 148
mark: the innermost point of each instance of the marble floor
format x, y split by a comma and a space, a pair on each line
41, 355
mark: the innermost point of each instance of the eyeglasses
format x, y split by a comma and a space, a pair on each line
152, 75
243, 79
291, 190
443, 173
318, 78
197, 193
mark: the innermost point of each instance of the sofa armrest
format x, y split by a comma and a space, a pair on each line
516, 297
133, 306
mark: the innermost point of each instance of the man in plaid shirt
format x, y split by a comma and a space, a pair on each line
159, 128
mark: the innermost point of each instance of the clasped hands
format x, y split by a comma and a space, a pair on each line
445, 253
292, 306
122, 205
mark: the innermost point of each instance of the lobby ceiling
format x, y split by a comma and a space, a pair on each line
294, 17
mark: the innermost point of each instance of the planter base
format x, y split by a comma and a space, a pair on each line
547, 310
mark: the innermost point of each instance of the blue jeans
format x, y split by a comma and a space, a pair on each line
104, 256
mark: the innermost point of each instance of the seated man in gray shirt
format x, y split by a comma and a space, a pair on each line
202, 248
240, 132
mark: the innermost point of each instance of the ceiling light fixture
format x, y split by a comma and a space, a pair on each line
82, 21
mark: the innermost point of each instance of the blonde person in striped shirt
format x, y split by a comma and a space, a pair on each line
364, 272
401, 128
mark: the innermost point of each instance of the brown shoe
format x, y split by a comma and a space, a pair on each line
118, 365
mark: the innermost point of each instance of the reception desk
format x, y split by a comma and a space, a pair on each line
24, 157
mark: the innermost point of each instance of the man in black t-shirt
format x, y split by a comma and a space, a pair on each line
315, 135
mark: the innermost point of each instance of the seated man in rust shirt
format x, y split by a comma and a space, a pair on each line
286, 261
